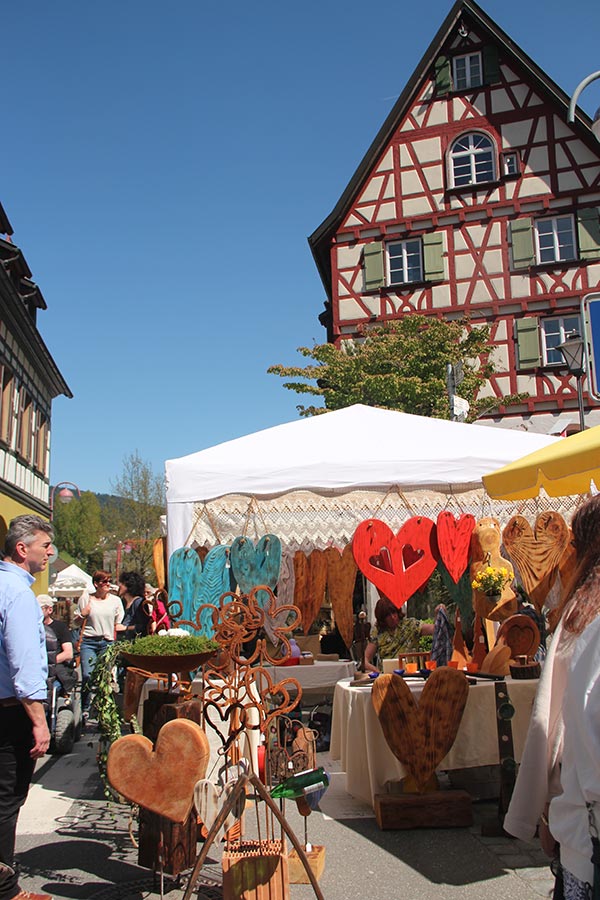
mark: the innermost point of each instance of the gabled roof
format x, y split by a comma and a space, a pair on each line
319, 240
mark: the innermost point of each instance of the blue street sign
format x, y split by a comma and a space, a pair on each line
590, 308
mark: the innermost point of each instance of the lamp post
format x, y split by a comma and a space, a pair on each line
572, 106
573, 352
65, 494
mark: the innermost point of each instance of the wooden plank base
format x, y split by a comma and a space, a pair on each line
438, 809
316, 858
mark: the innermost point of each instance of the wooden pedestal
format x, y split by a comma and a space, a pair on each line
255, 870
316, 858
178, 843
439, 809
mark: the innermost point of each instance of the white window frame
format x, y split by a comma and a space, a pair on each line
471, 78
404, 252
555, 237
561, 327
510, 163
472, 154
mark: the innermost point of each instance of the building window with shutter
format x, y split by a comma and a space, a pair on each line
405, 263
467, 71
553, 332
555, 239
472, 160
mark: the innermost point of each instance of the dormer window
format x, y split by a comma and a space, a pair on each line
472, 160
467, 71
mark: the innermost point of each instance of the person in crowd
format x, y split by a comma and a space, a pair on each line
394, 631
136, 619
157, 604
99, 615
59, 646
24, 735
538, 779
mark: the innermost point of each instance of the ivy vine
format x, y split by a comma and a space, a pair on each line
110, 720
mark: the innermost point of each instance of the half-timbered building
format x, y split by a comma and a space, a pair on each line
29, 381
476, 199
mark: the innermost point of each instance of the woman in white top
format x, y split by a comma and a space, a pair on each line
101, 613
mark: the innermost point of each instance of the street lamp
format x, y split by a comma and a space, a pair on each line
573, 104
573, 352
65, 495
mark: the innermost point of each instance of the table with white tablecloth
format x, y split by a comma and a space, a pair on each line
357, 739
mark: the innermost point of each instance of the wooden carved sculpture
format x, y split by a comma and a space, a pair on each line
410, 556
310, 573
421, 734
341, 576
537, 552
454, 542
485, 551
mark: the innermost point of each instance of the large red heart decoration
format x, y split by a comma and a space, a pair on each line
397, 564
454, 542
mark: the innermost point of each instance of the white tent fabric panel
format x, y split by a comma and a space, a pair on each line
352, 450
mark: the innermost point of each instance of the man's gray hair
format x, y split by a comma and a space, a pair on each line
25, 528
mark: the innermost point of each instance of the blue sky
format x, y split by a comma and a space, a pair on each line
163, 167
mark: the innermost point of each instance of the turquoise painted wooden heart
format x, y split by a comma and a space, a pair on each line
253, 566
192, 583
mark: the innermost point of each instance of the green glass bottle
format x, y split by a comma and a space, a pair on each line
301, 784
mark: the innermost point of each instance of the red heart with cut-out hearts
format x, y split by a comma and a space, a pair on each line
411, 556
454, 542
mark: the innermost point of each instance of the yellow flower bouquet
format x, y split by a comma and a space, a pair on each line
491, 580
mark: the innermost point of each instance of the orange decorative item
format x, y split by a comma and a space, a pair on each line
454, 542
160, 779
398, 565
537, 551
411, 668
431, 664
310, 580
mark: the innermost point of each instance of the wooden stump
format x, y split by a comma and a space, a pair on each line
441, 809
316, 858
178, 843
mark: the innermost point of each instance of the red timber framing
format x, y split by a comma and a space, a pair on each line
494, 200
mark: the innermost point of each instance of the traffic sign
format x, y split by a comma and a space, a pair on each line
590, 314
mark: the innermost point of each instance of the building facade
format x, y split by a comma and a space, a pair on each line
29, 381
478, 200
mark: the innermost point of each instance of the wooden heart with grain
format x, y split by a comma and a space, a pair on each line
537, 552
310, 579
521, 634
454, 542
409, 557
421, 734
341, 576
162, 778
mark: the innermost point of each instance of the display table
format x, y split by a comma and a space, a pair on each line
370, 766
320, 676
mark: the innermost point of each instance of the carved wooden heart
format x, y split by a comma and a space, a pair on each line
420, 735
521, 634
374, 540
454, 542
160, 779
253, 566
309, 587
537, 552
341, 575
210, 798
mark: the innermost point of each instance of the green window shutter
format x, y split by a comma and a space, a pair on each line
433, 256
443, 79
521, 232
588, 228
528, 342
374, 268
491, 67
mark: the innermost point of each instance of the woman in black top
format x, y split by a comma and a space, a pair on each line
136, 619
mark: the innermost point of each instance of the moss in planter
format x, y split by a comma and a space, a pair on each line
169, 645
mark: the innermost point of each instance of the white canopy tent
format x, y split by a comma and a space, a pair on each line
71, 582
321, 476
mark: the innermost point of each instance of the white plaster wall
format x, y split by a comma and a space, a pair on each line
533, 185
501, 102
387, 163
537, 159
526, 384
428, 150
348, 257
371, 192
440, 296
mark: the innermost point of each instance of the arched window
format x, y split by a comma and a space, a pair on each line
472, 160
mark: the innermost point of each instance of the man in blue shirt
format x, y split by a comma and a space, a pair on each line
24, 735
